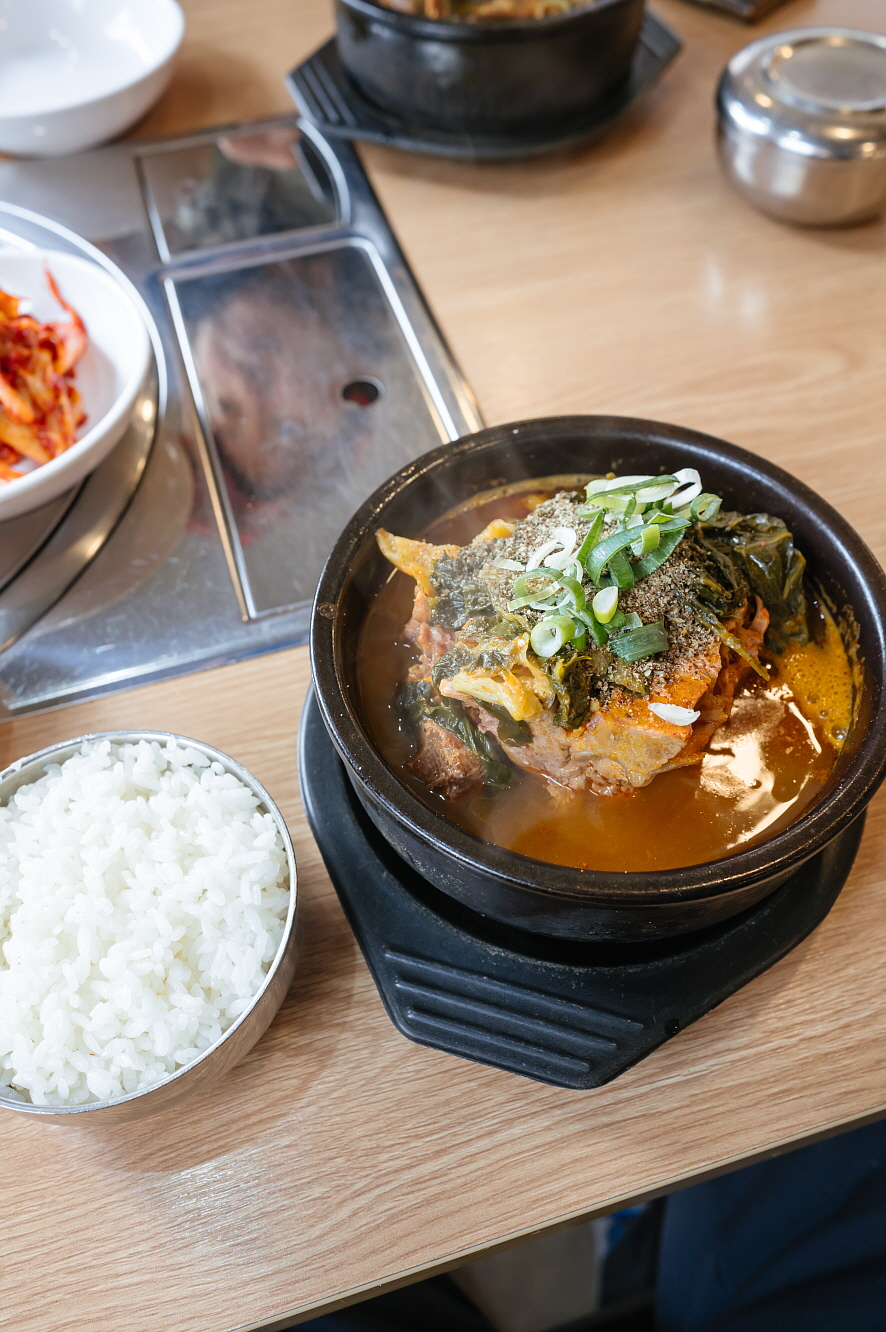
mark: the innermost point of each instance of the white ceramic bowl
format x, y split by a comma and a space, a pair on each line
108, 377
73, 74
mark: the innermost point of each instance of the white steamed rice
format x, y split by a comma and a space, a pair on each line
143, 896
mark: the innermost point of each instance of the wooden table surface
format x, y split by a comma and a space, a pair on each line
338, 1157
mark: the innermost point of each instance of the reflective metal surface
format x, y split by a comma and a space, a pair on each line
75, 526
208, 194
303, 368
22, 537
272, 351
239, 1038
802, 125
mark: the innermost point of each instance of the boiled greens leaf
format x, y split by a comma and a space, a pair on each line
763, 549
421, 702
460, 594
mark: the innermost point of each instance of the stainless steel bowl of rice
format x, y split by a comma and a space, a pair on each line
147, 924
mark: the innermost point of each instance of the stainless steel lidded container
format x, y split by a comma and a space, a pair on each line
802, 125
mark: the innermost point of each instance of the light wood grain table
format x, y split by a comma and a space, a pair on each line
339, 1159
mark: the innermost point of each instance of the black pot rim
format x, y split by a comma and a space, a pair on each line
813, 830
495, 30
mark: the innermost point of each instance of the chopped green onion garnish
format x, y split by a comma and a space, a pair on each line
705, 508
591, 539
647, 540
598, 491
690, 488
618, 621
532, 599
605, 604
588, 619
549, 635
602, 554
670, 539
634, 644
675, 523
622, 570
572, 586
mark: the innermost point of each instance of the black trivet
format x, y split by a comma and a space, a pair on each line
572, 1014
324, 94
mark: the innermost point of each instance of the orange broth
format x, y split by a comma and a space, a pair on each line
761, 770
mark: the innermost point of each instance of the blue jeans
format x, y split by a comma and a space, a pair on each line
797, 1244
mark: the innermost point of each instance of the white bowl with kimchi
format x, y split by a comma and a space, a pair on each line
74, 353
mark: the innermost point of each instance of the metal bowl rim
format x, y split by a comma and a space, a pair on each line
69, 747
746, 73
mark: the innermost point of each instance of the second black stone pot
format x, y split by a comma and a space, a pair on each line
488, 77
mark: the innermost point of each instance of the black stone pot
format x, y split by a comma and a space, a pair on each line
491, 77
553, 899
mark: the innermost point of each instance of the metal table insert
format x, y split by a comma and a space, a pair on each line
297, 367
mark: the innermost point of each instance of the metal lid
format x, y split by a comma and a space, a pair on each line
818, 91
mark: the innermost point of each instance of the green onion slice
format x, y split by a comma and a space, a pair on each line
602, 554
622, 570
621, 621
705, 508
670, 540
591, 539
588, 620
605, 604
550, 634
618, 621
536, 599
648, 539
572, 585
597, 492
634, 644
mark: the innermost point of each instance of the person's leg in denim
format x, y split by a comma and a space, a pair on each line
796, 1244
